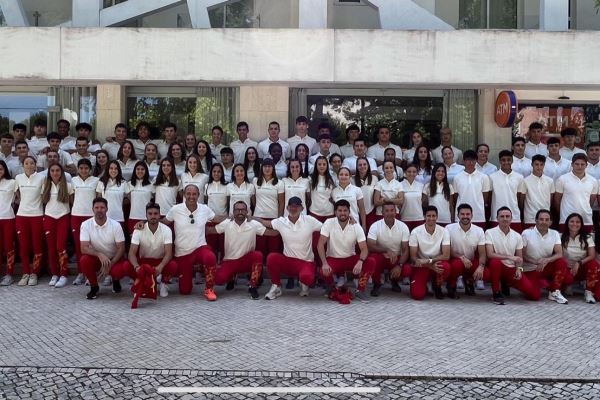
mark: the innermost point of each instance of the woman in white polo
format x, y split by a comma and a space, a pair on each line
141, 192
7, 222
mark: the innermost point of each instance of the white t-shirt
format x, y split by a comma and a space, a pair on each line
163, 148
388, 190
412, 208
538, 193
263, 148
112, 148
576, 196
139, 147
470, 189
392, 238
76, 157
216, 194
488, 168
298, 188
85, 193
439, 201
436, 154
538, 246
504, 244
114, 193
522, 166
127, 169
140, 196
55, 208
377, 151
7, 197
297, 237
569, 153
165, 196
188, 236
65, 159
244, 193
593, 170
368, 191
464, 244
239, 239
342, 241
102, 238
350, 163
320, 197
430, 245
555, 169
504, 193
199, 180
307, 140
30, 189
533, 149
267, 198
574, 252
453, 170
36, 145
152, 245
352, 194
239, 149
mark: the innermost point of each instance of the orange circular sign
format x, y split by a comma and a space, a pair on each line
506, 109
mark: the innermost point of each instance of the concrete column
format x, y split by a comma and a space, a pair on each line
554, 15
260, 105
312, 14
495, 137
110, 109
86, 13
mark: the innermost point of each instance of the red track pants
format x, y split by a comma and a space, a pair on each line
249, 263
342, 265
501, 272
588, 272
551, 277
381, 264
278, 263
458, 267
76, 221
419, 276
57, 233
168, 271
185, 265
7, 243
30, 233
90, 265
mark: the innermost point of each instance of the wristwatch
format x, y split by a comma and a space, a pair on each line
430, 261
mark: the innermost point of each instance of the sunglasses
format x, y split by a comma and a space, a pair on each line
191, 218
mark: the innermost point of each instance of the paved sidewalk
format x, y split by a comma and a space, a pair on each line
392, 336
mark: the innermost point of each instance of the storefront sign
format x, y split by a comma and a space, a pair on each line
506, 109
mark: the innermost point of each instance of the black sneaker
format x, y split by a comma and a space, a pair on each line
116, 286
230, 285
505, 289
93, 293
396, 287
253, 293
375, 291
498, 298
452, 292
437, 290
469, 289
290, 283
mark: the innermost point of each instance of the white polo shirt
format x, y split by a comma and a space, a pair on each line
7, 197
333, 149
464, 244
342, 241
440, 202
488, 168
239, 239
152, 244
102, 238
199, 180
377, 151
55, 208
346, 150
114, 193
574, 252
538, 193
522, 166
297, 237
569, 153
76, 157
453, 170
437, 154
153, 168
188, 236
368, 191
239, 149
298, 188
140, 196
398, 173
36, 145
538, 245
390, 239
263, 148
65, 159
352, 194
320, 199
163, 148
244, 193
593, 170
307, 140
533, 149
350, 163
429, 245
112, 148
30, 189
412, 208
504, 193
127, 169
139, 147
85, 193
165, 196
216, 150
504, 244
470, 189
388, 190
216, 195
555, 169
267, 198
576, 196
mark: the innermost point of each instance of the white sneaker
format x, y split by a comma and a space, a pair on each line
164, 291
459, 283
273, 293
304, 290
557, 297
33, 280
341, 281
24, 280
62, 282
589, 297
6, 281
53, 280
107, 281
479, 285
79, 280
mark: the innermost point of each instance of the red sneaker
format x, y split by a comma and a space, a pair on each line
210, 295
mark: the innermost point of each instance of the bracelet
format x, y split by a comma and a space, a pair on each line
361, 260
520, 269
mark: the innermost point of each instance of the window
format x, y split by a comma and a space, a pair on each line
484, 14
237, 14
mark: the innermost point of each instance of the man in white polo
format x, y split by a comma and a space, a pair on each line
273, 137
240, 145
505, 184
535, 192
473, 187
301, 136
360, 150
387, 241
377, 151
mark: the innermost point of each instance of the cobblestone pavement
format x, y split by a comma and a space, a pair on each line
394, 340
65, 383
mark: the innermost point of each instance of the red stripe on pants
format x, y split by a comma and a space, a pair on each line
57, 233
342, 265
90, 265
169, 270
249, 263
185, 265
76, 221
7, 243
278, 263
588, 272
554, 272
381, 264
30, 233
501, 272
421, 275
